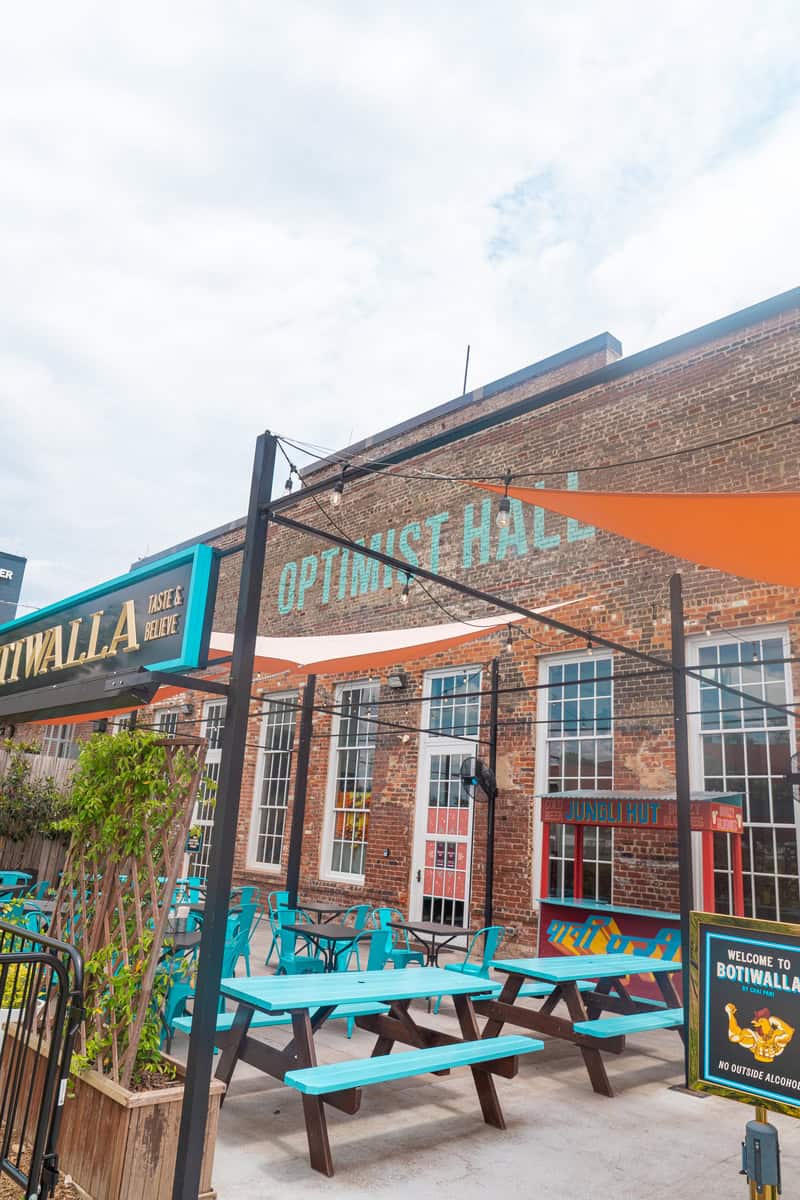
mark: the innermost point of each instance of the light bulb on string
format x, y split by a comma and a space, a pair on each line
503, 518
404, 593
287, 487
509, 645
338, 491
589, 645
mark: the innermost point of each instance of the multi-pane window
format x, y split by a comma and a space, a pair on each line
746, 748
354, 757
213, 725
454, 706
167, 722
122, 722
580, 752
277, 742
58, 741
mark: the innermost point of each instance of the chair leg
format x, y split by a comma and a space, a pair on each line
351, 1024
271, 951
436, 1005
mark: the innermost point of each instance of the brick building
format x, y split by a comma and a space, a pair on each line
387, 819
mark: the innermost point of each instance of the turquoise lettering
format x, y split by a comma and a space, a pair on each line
328, 556
342, 575
435, 525
514, 534
308, 573
388, 573
480, 533
286, 586
576, 531
542, 540
412, 530
364, 575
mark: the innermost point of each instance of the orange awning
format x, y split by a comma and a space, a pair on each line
743, 533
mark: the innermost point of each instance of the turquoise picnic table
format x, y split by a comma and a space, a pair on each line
589, 984
380, 1003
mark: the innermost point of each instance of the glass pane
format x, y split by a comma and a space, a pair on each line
789, 900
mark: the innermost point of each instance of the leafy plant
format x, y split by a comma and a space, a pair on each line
14, 987
132, 798
28, 806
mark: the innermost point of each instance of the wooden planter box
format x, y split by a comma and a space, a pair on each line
121, 1145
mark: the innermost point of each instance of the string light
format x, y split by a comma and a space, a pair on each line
338, 490
287, 487
404, 593
509, 646
589, 646
503, 518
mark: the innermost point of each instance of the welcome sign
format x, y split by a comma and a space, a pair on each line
745, 1010
156, 617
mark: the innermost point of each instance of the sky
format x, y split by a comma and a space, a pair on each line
221, 218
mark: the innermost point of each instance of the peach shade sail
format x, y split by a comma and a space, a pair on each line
342, 651
751, 534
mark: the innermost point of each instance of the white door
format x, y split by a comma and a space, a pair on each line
441, 869
213, 725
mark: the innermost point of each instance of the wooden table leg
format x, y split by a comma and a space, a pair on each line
591, 1057
508, 995
671, 999
230, 1055
484, 1084
319, 1147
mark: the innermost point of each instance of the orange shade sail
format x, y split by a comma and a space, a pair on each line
749, 534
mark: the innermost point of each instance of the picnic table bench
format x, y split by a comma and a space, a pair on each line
308, 1001
569, 978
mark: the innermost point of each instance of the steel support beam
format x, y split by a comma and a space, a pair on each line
201, 1043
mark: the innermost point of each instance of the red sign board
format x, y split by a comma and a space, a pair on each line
707, 816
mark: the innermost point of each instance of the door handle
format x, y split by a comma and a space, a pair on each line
419, 875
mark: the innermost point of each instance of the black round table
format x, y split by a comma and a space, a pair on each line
433, 935
326, 936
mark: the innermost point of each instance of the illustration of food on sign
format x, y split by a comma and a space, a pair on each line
768, 1037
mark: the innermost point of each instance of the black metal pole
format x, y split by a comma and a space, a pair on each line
682, 791
300, 791
204, 1021
492, 796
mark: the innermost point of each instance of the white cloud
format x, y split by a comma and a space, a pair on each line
217, 218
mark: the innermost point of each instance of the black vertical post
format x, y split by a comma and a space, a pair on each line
300, 791
492, 795
682, 791
218, 892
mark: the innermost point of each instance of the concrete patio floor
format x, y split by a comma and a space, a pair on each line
425, 1137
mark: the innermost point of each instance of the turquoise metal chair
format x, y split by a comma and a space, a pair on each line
401, 953
275, 902
182, 989
472, 964
245, 895
360, 914
380, 945
13, 883
249, 920
40, 890
306, 960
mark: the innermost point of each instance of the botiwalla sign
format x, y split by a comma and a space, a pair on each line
155, 617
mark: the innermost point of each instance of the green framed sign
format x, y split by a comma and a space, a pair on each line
156, 618
744, 1010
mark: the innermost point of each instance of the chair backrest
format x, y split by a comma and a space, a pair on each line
14, 879
382, 917
380, 945
287, 937
233, 940
249, 918
492, 936
40, 890
277, 901
359, 913
245, 895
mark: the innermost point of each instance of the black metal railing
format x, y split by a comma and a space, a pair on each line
41, 1006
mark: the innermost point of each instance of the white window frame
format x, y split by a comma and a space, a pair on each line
428, 745
541, 772
58, 741
253, 863
208, 706
325, 870
696, 773
162, 713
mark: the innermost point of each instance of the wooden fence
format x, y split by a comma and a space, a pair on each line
42, 856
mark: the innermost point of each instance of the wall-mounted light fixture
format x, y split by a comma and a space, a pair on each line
397, 679
100, 725
187, 709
